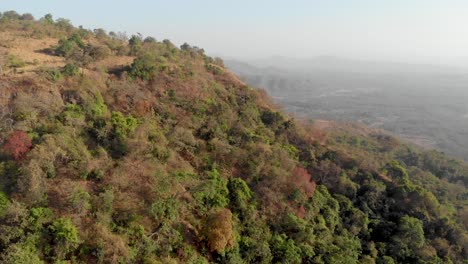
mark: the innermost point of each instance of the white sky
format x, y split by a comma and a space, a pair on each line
401, 30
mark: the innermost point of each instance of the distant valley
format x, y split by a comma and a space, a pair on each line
424, 104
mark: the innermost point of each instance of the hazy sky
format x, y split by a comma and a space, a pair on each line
424, 30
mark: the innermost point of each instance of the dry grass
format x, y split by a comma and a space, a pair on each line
113, 62
422, 141
324, 124
29, 50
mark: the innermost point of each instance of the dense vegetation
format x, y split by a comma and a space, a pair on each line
172, 159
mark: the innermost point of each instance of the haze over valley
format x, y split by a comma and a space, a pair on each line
425, 104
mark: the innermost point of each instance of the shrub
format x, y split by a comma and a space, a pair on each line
21, 253
67, 47
80, 201
123, 125
72, 111
147, 66
164, 210
95, 175
65, 235
4, 203
98, 108
169, 239
161, 153
70, 69
15, 62
215, 69
98, 52
38, 216
53, 74
77, 51
214, 192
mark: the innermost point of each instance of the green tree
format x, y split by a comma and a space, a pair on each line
71, 46
27, 16
49, 19
21, 253
70, 69
13, 15
285, 250
240, 195
147, 66
149, 40
136, 43
65, 236
80, 201
409, 237
214, 192
4, 203
397, 172
123, 125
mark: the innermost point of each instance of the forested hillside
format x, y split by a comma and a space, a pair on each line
133, 150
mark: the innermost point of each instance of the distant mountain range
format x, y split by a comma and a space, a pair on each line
334, 63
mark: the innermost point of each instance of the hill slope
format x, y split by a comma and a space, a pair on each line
136, 151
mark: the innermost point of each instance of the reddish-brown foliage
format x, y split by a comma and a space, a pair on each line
302, 180
143, 107
301, 212
18, 145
